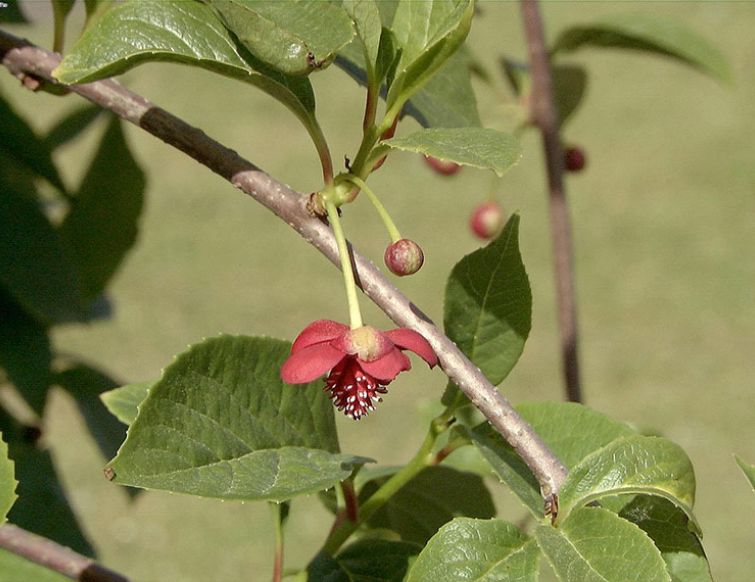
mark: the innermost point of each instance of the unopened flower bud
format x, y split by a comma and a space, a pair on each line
404, 257
574, 159
443, 167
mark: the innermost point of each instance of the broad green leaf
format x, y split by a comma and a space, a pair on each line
572, 431
71, 126
428, 34
25, 354
14, 568
748, 470
175, 31
476, 550
124, 402
366, 560
221, 423
595, 545
7, 481
86, 384
647, 33
632, 464
102, 224
19, 141
41, 507
447, 100
34, 266
488, 304
668, 527
366, 18
569, 85
12, 13
296, 37
484, 148
434, 497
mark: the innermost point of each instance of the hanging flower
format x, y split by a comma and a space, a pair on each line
360, 362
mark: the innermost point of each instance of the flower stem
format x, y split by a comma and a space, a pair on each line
355, 315
280, 514
423, 458
384, 216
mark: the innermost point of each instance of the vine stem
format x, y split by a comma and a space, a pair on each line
53, 556
23, 59
544, 115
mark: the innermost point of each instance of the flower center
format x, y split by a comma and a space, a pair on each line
353, 391
368, 343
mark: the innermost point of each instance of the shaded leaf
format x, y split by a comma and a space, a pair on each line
86, 384
366, 560
595, 545
647, 33
366, 18
483, 148
631, 464
71, 126
748, 470
11, 13
569, 86
432, 498
7, 481
34, 267
572, 431
296, 37
488, 304
124, 402
428, 34
221, 423
19, 141
477, 550
174, 31
102, 224
668, 527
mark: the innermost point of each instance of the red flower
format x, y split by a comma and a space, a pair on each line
362, 362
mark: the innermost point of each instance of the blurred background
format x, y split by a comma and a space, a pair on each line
663, 215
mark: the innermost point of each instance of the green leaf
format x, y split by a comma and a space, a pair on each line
11, 13
19, 141
124, 402
221, 423
25, 353
484, 148
366, 18
447, 100
476, 550
41, 507
7, 481
595, 545
432, 498
632, 464
569, 85
366, 560
174, 31
22, 570
572, 431
296, 37
34, 267
71, 126
102, 224
647, 33
748, 470
488, 304
668, 527
86, 384
428, 34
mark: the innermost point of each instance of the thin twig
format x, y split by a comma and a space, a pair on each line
53, 556
544, 115
21, 58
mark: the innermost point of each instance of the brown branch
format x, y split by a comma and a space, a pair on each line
544, 115
21, 58
53, 556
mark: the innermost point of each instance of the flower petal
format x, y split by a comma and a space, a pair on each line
310, 363
322, 330
410, 340
387, 367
